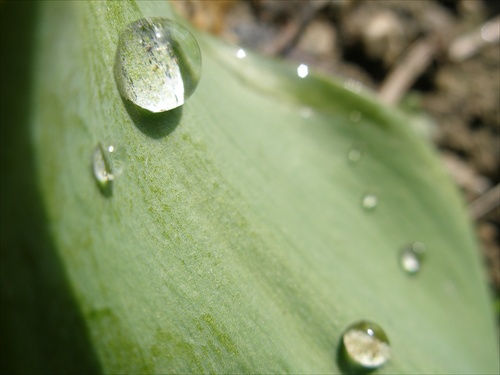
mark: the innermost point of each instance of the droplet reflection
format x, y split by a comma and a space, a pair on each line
410, 258
101, 170
107, 165
158, 64
364, 347
369, 202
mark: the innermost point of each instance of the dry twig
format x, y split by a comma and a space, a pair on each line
292, 31
407, 70
486, 203
469, 44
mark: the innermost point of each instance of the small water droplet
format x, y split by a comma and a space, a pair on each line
353, 85
305, 112
450, 288
107, 165
411, 257
364, 346
354, 155
355, 116
302, 70
101, 170
158, 64
241, 53
369, 201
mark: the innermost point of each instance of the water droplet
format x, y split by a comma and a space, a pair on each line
355, 116
369, 201
107, 165
411, 257
101, 170
354, 155
158, 64
302, 70
353, 85
305, 112
364, 346
241, 53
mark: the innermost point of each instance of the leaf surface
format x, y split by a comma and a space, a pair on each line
235, 239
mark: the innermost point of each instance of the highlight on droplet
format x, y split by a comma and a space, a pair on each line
364, 347
302, 70
240, 54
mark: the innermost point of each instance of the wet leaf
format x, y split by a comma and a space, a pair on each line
235, 239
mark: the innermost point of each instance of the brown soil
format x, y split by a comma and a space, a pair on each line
440, 57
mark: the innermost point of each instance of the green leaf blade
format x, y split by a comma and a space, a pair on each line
236, 241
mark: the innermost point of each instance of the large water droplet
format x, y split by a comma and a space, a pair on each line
369, 201
364, 346
158, 64
107, 165
411, 257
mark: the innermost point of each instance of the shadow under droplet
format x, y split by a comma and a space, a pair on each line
154, 125
106, 189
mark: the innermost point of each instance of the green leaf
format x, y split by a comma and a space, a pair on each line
235, 240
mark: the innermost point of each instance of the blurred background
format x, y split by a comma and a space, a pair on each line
437, 60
